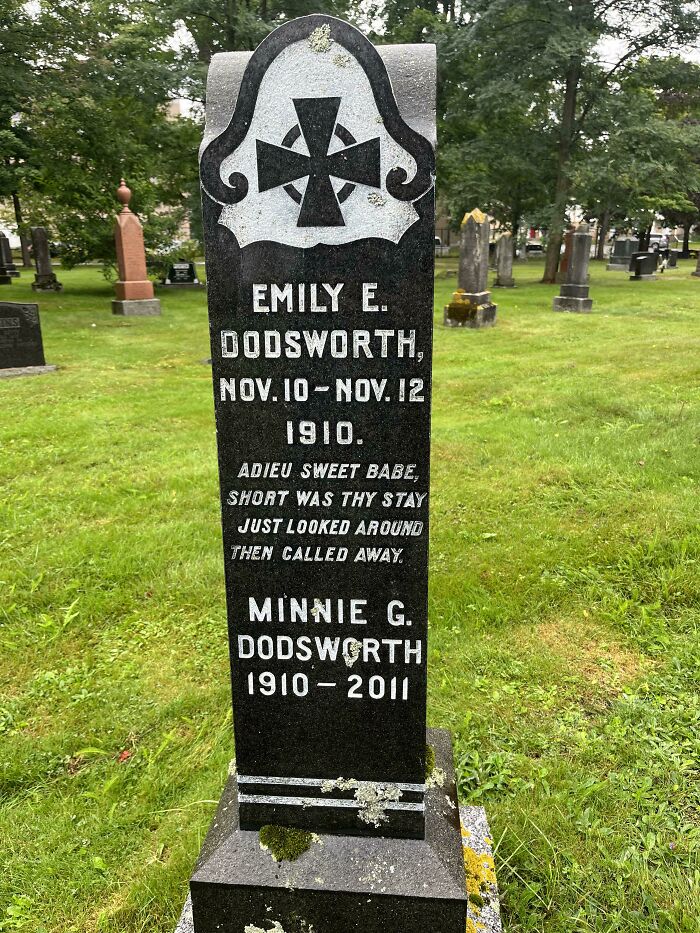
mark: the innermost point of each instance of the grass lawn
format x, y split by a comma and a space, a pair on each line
564, 605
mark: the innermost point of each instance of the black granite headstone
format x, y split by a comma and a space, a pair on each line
318, 206
643, 266
44, 278
182, 275
20, 336
8, 269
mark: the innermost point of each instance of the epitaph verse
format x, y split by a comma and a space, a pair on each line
319, 214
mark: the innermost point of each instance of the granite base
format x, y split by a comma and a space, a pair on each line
483, 909
696, 273
575, 305
464, 314
26, 371
642, 278
617, 267
144, 307
341, 884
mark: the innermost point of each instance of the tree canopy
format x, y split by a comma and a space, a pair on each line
542, 104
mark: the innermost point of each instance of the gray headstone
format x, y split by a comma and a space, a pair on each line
504, 262
471, 304
318, 205
573, 294
622, 249
44, 277
697, 267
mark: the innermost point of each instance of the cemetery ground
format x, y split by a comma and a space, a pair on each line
564, 605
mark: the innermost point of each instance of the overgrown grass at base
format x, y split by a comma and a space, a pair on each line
564, 605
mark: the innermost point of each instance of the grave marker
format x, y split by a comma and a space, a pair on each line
8, 269
44, 278
574, 293
643, 266
134, 290
623, 247
504, 262
471, 304
318, 206
181, 275
21, 346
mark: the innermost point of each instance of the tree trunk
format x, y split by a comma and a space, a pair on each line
563, 182
22, 232
603, 228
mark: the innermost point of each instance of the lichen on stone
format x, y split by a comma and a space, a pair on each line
275, 928
372, 797
342, 61
285, 843
480, 875
320, 39
376, 199
351, 652
434, 776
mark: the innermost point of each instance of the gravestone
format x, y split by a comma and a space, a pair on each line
471, 304
21, 346
8, 269
319, 233
622, 250
44, 278
643, 266
673, 258
522, 252
133, 289
563, 269
573, 295
697, 267
181, 275
504, 262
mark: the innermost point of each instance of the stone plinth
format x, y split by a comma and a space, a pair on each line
341, 884
134, 290
697, 267
471, 304
573, 294
504, 262
44, 278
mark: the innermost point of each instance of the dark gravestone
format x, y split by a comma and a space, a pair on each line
181, 275
643, 266
44, 278
573, 294
8, 269
21, 346
319, 233
673, 258
622, 250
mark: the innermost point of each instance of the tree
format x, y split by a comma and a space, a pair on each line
553, 47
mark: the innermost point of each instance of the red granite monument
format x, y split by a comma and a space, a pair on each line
134, 290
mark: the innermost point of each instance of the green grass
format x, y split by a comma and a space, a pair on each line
564, 606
